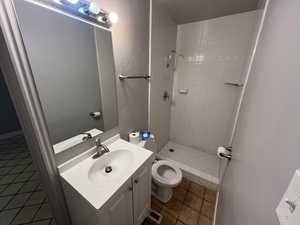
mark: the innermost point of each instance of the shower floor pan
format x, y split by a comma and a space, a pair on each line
196, 165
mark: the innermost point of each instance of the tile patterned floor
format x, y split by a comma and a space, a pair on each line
191, 204
22, 199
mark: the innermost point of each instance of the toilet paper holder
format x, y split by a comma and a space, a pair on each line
227, 154
228, 148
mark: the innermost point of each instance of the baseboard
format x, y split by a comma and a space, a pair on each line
10, 134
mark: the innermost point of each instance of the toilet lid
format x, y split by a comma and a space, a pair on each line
166, 173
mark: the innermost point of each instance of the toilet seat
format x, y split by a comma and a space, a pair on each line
166, 173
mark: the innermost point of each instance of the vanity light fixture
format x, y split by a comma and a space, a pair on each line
102, 18
91, 10
73, 1
113, 17
109, 18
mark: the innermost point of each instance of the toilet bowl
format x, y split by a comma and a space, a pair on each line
165, 176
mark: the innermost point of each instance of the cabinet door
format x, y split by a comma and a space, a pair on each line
120, 210
141, 194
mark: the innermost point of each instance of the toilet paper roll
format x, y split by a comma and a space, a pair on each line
134, 137
97, 114
222, 150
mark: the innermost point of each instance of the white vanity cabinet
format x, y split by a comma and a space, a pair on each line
119, 209
141, 194
131, 204
119, 196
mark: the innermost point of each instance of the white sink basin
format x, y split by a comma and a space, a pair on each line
117, 162
88, 177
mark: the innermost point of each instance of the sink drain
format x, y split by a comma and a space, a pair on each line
108, 169
171, 150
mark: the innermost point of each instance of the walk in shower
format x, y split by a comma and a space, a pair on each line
199, 59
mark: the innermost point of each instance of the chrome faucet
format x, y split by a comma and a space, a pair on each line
100, 148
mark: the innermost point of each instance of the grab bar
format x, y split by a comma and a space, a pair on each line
123, 77
234, 84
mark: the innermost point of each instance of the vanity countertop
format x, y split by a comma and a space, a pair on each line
71, 142
89, 178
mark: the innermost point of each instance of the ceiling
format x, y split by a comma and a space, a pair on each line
186, 11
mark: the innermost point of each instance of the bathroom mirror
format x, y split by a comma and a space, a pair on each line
73, 67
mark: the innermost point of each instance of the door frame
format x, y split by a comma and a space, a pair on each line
19, 78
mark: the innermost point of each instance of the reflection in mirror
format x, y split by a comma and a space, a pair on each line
73, 67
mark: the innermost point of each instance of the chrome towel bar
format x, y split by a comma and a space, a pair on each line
123, 77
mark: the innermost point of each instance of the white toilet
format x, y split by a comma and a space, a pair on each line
165, 175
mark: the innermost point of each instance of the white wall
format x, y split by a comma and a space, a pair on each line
163, 41
131, 44
215, 51
255, 36
266, 148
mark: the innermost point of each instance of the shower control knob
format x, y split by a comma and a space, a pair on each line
136, 181
130, 188
166, 96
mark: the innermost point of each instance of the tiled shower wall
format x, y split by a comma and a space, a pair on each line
213, 52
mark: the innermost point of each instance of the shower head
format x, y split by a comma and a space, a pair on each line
172, 59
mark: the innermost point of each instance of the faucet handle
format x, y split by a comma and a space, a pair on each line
98, 142
87, 136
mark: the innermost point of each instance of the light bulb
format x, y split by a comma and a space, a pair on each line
93, 8
73, 1
113, 17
